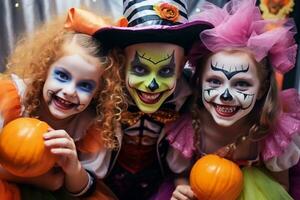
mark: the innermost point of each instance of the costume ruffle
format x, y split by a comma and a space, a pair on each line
272, 38
180, 135
259, 185
283, 139
10, 102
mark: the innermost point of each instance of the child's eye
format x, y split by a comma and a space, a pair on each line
242, 85
87, 86
213, 82
62, 76
166, 72
139, 70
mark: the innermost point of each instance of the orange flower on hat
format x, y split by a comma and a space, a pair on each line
167, 11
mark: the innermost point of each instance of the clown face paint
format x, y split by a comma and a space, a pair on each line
230, 86
70, 85
151, 73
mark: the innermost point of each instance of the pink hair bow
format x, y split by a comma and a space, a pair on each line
239, 25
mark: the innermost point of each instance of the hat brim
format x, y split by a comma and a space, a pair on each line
183, 35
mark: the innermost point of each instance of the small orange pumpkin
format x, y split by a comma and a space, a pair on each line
9, 191
22, 150
216, 178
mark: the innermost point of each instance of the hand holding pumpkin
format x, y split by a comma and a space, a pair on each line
216, 178
63, 147
22, 149
183, 192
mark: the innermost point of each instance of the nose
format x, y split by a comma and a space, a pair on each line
226, 96
69, 90
153, 85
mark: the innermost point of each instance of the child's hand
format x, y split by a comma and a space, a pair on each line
183, 192
63, 146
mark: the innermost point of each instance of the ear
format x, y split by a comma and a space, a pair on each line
263, 89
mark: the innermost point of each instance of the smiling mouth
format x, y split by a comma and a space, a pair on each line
62, 103
149, 98
226, 111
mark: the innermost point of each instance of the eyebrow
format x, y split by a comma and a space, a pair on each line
62, 69
143, 56
229, 74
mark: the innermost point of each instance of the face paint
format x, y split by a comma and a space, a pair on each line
230, 86
70, 85
151, 73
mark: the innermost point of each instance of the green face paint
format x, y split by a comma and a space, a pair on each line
151, 73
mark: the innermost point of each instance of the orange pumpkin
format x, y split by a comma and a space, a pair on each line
22, 150
9, 191
216, 178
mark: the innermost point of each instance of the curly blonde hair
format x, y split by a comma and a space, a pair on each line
33, 57
265, 109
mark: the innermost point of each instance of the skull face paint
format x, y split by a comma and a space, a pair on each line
151, 73
230, 86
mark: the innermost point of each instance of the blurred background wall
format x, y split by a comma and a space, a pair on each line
18, 17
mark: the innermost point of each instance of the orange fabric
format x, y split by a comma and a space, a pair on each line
10, 102
83, 21
9, 191
90, 143
279, 80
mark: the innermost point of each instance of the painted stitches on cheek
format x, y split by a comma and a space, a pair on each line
245, 100
60, 80
226, 93
151, 76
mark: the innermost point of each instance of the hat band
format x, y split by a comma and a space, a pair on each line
127, 4
153, 19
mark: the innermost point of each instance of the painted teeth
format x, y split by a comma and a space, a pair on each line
226, 109
150, 96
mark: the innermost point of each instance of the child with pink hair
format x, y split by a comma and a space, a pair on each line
237, 112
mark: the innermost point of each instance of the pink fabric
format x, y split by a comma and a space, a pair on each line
288, 125
180, 135
165, 190
239, 25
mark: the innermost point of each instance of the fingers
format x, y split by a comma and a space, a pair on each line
183, 192
55, 134
59, 142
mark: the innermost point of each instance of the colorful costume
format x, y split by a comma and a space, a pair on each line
238, 25
144, 157
11, 108
156, 95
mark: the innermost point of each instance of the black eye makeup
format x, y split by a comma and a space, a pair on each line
166, 72
139, 70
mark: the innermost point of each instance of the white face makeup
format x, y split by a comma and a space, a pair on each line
230, 86
70, 85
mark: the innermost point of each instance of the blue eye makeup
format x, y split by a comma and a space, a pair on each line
61, 75
87, 86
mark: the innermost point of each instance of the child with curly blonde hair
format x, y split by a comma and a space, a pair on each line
63, 78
